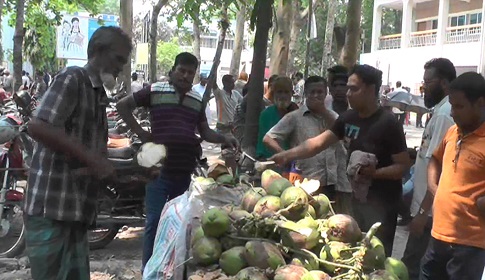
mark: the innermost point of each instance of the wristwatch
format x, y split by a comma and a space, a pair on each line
421, 211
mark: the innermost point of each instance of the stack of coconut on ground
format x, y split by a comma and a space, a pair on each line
282, 232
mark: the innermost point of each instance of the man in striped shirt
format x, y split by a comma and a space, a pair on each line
176, 111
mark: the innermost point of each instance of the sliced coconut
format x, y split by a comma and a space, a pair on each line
309, 186
151, 155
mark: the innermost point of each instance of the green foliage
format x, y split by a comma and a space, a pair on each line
109, 7
166, 53
202, 11
41, 20
40, 37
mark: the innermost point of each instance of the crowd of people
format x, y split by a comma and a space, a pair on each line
332, 130
36, 87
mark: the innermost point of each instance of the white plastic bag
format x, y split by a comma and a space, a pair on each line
162, 263
171, 251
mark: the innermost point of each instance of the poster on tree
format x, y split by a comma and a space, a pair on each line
75, 32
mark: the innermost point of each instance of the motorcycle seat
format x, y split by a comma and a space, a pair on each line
121, 153
119, 163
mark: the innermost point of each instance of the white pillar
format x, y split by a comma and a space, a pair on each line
481, 66
376, 26
407, 22
443, 12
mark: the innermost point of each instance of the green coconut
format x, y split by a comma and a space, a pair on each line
316, 275
251, 273
334, 251
297, 199
267, 177
237, 215
299, 237
215, 222
375, 255
308, 222
307, 262
207, 251
251, 197
290, 272
232, 261
321, 203
343, 228
311, 212
267, 205
263, 255
197, 234
397, 267
277, 187
225, 179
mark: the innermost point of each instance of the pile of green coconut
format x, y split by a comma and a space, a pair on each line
281, 232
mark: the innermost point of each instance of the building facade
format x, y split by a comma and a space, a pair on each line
430, 28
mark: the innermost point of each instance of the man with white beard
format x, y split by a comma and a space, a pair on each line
70, 129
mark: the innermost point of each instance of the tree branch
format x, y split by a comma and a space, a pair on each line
304, 13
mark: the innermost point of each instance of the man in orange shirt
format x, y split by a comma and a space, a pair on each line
456, 176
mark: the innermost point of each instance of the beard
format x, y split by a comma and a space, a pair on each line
433, 97
108, 79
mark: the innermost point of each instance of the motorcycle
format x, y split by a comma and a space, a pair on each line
15, 154
122, 203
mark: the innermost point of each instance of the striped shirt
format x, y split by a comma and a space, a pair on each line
76, 102
174, 118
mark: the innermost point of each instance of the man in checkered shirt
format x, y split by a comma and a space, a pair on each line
70, 128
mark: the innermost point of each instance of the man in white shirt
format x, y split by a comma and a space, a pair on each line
200, 87
227, 98
438, 74
401, 116
136, 86
25, 80
210, 110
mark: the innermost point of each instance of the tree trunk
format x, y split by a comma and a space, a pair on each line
217, 57
196, 43
126, 23
296, 25
281, 39
18, 40
1, 13
352, 36
238, 40
153, 39
327, 45
256, 85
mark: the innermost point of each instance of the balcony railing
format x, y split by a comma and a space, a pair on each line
454, 35
423, 38
390, 42
463, 34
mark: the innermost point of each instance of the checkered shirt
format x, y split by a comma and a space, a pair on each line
76, 101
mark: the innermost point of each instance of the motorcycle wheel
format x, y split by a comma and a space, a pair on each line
102, 235
12, 229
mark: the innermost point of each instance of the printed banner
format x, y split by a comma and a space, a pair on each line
75, 32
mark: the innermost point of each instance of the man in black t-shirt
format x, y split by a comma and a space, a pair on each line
368, 128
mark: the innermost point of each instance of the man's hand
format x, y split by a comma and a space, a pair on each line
280, 159
102, 169
369, 171
232, 142
416, 227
